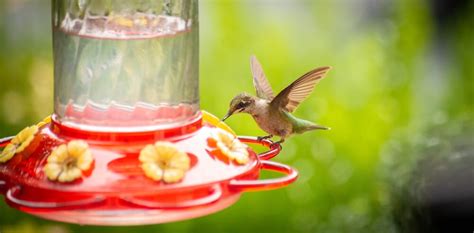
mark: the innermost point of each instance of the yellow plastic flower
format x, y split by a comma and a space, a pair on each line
18, 143
7, 153
45, 121
67, 163
213, 120
229, 146
164, 161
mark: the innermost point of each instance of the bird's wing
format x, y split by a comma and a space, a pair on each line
296, 92
260, 82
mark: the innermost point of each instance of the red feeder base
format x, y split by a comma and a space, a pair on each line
116, 191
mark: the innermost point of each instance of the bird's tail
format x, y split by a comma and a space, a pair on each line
310, 127
304, 125
314, 127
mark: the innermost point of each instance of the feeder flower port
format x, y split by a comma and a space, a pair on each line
208, 117
164, 161
68, 162
229, 146
45, 121
18, 143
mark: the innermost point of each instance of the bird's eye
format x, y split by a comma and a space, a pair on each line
241, 105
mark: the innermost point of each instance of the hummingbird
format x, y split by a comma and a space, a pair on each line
273, 113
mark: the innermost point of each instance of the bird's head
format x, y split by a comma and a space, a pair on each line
240, 103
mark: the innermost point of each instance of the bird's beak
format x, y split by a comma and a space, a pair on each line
229, 113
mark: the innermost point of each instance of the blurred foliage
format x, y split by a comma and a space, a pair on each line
396, 72
429, 174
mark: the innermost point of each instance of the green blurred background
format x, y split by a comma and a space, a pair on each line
401, 90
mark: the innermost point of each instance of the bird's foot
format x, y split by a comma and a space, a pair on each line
277, 143
260, 138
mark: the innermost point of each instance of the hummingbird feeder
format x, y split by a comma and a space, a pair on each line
127, 143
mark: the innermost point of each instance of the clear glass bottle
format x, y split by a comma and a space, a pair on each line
125, 65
